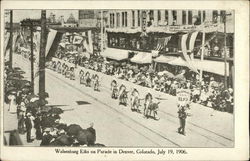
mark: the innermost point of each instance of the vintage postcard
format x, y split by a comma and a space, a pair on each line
124, 80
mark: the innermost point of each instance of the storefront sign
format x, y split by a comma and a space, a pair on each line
144, 21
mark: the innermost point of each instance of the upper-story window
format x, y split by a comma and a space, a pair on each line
166, 15
174, 14
139, 17
215, 16
184, 17
151, 15
133, 18
126, 19
159, 15
118, 19
204, 15
222, 14
190, 17
123, 21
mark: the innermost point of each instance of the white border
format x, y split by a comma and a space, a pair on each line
240, 152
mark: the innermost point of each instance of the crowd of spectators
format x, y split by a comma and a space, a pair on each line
208, 92
38, 120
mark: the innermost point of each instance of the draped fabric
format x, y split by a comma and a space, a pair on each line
50, 40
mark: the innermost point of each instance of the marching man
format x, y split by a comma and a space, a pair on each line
183, 96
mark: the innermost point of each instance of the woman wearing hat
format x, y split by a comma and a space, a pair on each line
12, 102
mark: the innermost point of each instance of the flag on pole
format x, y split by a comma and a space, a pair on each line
162, 42
190, 40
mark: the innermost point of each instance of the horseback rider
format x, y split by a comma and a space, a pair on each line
134, 100
96, 82
81, 76
151, 105
122, 95
114, 89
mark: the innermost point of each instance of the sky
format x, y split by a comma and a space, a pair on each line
19, 15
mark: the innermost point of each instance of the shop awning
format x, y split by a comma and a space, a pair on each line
142, 58
116, 54
216, 67
164, 59
178, 61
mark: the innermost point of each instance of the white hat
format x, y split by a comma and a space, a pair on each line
28, 114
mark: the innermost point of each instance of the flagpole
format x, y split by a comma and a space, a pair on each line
202, 51
101, 31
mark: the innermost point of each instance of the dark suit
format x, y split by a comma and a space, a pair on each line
46, 139
28, 128
182, 117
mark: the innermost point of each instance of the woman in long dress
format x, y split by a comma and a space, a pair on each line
12, 103
33, 130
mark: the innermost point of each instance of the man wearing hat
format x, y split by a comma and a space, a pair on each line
28, 125
182, 117
92, 130
47, 137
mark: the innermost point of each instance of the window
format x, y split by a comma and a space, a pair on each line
199, 16
126, 19
117, 19
174, 13
190, 17
184, 17
159, 15
139, 18
215, 16
123, 22
166, 15
151, 15
133, 18
204, 15
222, 14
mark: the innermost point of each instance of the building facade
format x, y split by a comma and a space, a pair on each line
126, 26
143, 31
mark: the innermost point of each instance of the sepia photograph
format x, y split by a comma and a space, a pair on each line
144, 81
119, 78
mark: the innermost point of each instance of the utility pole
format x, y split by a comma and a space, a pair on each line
101, 31
11, 39
202, 51
42, 56
224, 16
31, 57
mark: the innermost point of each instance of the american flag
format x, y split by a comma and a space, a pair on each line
162, 42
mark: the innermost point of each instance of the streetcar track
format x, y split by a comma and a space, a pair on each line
165, 113
120, 113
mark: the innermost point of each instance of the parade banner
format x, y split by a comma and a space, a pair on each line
183, 97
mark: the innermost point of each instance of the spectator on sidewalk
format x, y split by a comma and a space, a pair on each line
47, 137
28, 125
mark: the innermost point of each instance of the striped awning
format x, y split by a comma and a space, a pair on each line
142, 58
116, 54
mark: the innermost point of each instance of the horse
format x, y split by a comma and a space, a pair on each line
150, 106
135, 101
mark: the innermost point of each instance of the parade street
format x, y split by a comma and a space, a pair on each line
117, 125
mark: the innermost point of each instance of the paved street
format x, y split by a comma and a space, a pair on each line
116, 125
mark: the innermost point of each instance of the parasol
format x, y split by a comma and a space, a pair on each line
73, 129
56, 110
